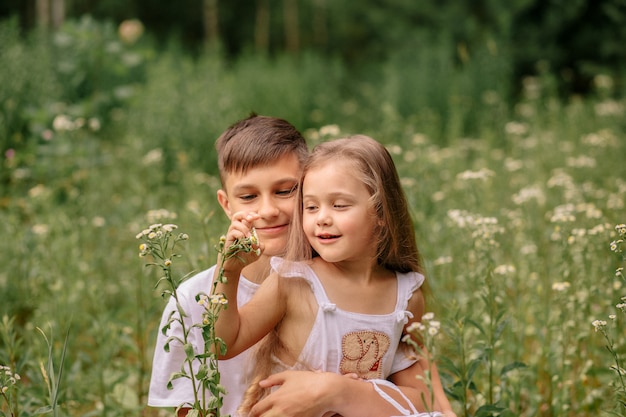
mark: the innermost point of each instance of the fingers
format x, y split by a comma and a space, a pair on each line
240, 226
272, 380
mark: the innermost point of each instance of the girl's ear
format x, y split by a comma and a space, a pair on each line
222, 198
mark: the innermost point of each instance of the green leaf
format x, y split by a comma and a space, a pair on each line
473, 366
222, 345
511, 366
489, 410
181, 310
203, 370
189, 353
448, 365
43, 410
499, 329
477, 325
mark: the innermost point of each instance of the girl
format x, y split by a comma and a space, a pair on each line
350, 282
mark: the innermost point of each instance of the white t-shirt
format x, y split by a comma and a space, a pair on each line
234, 372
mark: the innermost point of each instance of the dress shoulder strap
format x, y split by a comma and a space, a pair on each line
290, 269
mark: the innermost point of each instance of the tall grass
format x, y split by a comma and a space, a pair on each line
514, 205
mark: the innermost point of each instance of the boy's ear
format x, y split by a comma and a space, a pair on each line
222, 198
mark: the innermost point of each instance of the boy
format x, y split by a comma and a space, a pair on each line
259, 160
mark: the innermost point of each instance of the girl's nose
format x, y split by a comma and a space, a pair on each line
323, 218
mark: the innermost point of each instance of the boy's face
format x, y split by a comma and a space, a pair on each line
270, 192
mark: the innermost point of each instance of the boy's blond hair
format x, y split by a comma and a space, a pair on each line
257, 141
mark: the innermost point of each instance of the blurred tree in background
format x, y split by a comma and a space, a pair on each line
576, 38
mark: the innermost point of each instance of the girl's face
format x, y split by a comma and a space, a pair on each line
337, 217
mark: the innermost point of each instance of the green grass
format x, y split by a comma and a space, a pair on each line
539, 182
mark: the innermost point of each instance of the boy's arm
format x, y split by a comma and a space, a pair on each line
417, 391
412, 379
315, 394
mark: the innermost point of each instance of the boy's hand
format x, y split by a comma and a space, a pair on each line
240, 229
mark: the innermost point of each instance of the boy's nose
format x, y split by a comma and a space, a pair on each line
268, 208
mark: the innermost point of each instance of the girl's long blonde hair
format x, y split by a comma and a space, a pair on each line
394, 235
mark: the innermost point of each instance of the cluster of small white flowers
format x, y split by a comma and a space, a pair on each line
576, 235
609, 108
504, 269
533, 192
531, 87
155, 216
394, 149
420, 139
482, 174
156, 230
7, 378
616, 245
560, 179
330, 130
582, 161
40, 229
602, 139
38, 190
461, 217
598, 324
590, 210
560, 286
205, 300
563, 214
516, 128
513, 165
63, 123
603, 82
484, 229
598, 229
153, 157
428, 325
443, 260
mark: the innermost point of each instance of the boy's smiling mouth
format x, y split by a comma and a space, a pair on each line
272, 229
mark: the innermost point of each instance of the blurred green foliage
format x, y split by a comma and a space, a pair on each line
576, 38
96, 130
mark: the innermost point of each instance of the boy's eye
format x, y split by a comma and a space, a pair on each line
247, 197
288, 191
